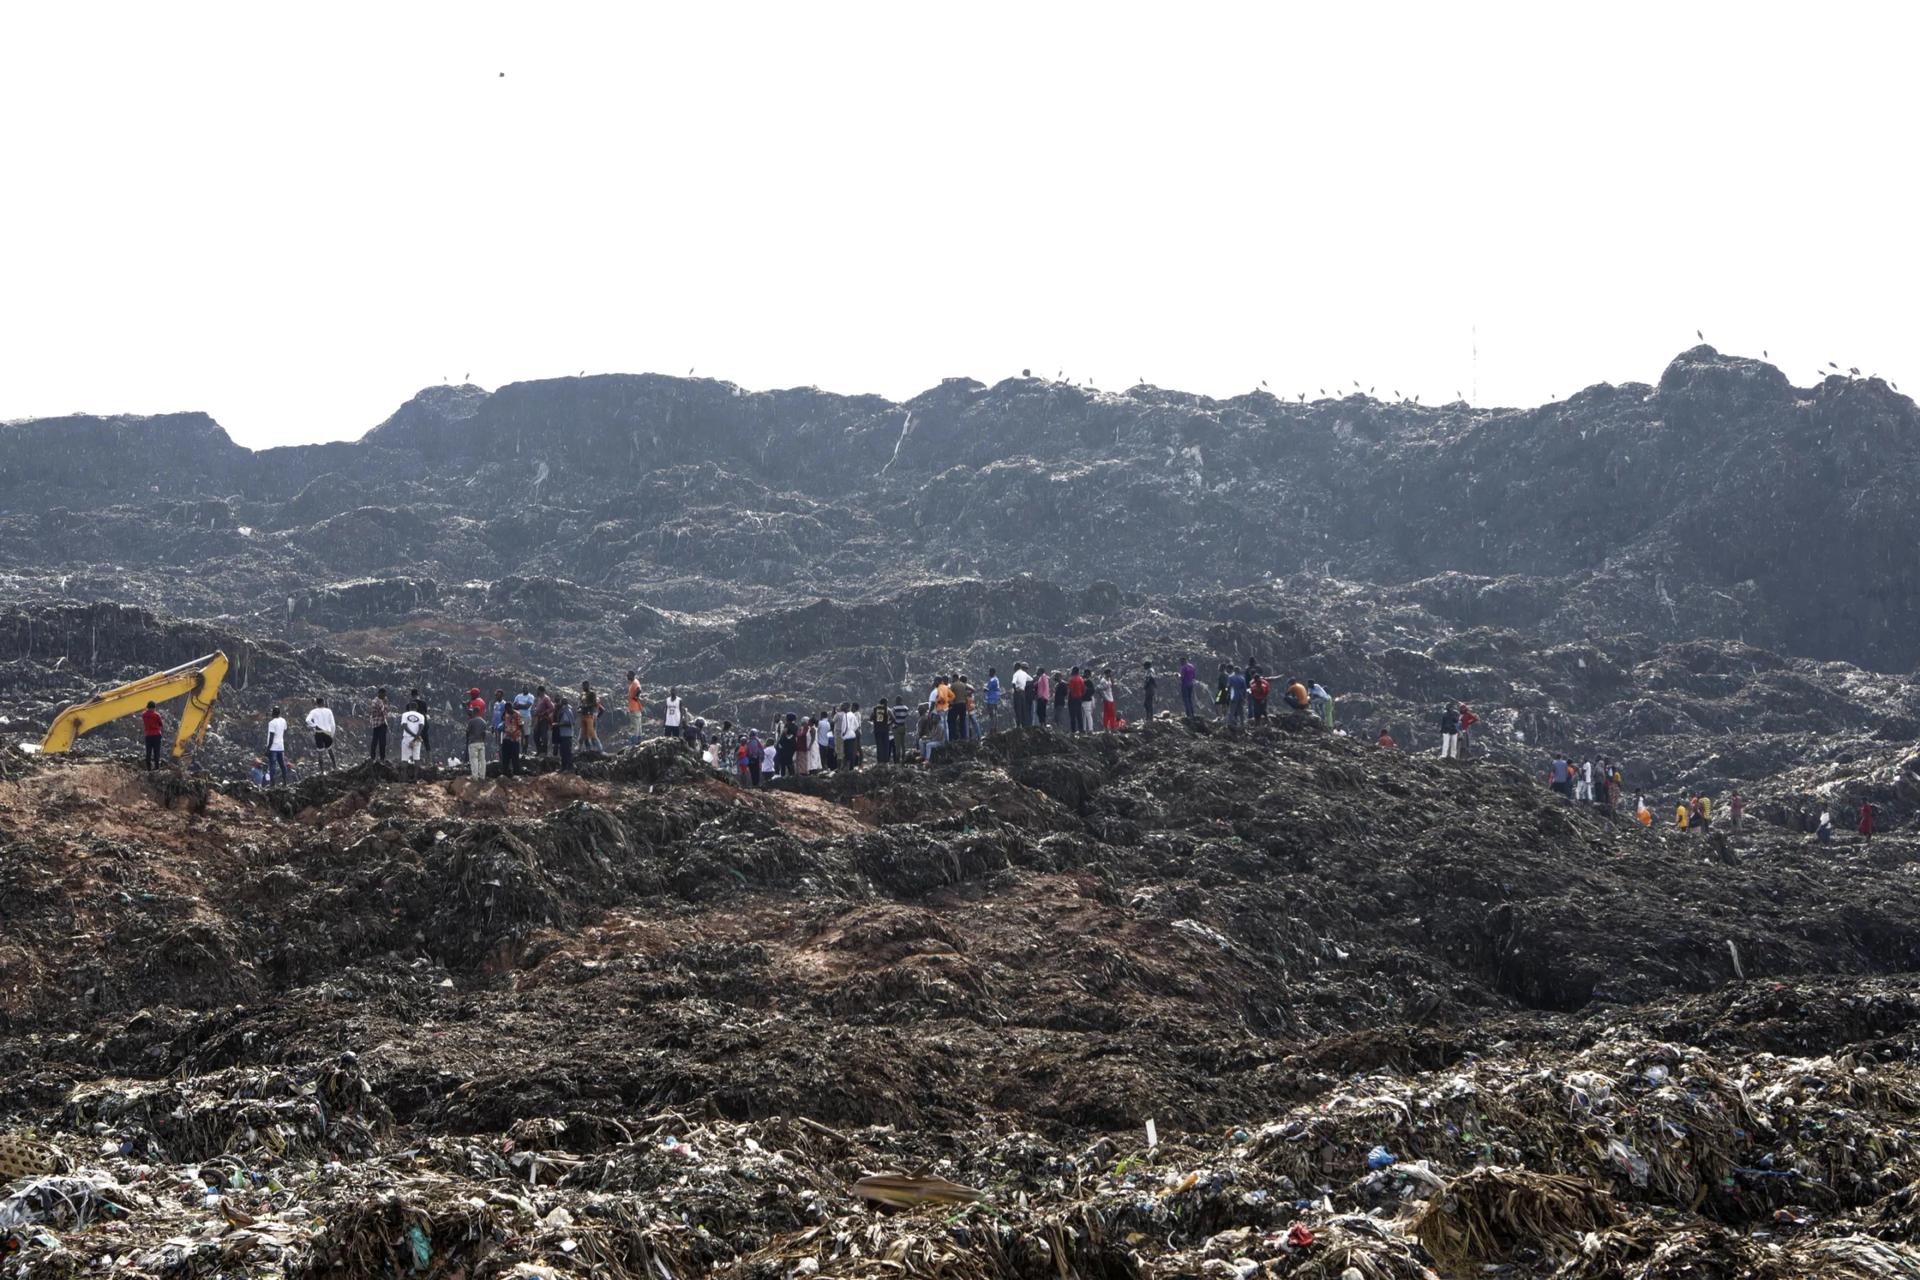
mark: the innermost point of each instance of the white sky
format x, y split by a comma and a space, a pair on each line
293, 217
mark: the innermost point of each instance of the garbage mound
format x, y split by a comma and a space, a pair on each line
1182, 1000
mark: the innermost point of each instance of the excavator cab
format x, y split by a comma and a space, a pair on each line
198, 680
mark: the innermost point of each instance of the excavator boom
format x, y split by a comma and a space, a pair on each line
199, 680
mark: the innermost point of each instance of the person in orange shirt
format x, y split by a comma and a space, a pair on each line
635, 707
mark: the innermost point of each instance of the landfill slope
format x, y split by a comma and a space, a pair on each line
643, 1020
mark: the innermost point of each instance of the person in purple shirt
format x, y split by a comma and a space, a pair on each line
1187, 677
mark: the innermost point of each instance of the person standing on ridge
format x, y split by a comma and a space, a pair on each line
850, 734
413, 733
589, 717
1188, 678
1061, 702
1467, 721
477, 731
1022, 681
785, 744
636, 709
1320, 702
513, 734
1865, 825
823, 737
320, 720
1560, 776
1220, 691
277, 748
902, 723
563, 725
940, 701
542, 721
1236, 696
993, 700
931, 732
882, 719
1258, 689
524, 701
961, 708
1449, 730
1042, 697
1076, 701
152, 724
1109, 705
1147, 685
1737, 806
672, 717
377, 726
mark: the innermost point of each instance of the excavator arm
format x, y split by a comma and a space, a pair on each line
198, 680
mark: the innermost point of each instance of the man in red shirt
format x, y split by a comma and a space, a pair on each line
152, 723
1076, 702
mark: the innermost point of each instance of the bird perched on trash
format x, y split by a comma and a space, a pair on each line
905, 1191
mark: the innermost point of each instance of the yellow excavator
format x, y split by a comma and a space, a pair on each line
199, 680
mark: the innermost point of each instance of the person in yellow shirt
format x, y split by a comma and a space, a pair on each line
1681, 814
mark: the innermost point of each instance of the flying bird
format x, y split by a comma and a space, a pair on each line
1369, 390
1323, 391
581, 374
1263, 382
1700, 335
465, 376
1356, 384
1764, 355
1303, 397
1854, 371
503, 75
1832, 365
1026, 373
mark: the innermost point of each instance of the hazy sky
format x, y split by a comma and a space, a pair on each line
293, 217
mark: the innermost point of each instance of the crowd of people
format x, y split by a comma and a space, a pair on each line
536, 723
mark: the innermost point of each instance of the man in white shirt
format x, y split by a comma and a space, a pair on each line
413, 731
673, 713
320, 720
1022, 696
277, 748
850, 735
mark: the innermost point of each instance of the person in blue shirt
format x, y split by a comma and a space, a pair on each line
1236, 696
1321, 701
993, 699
